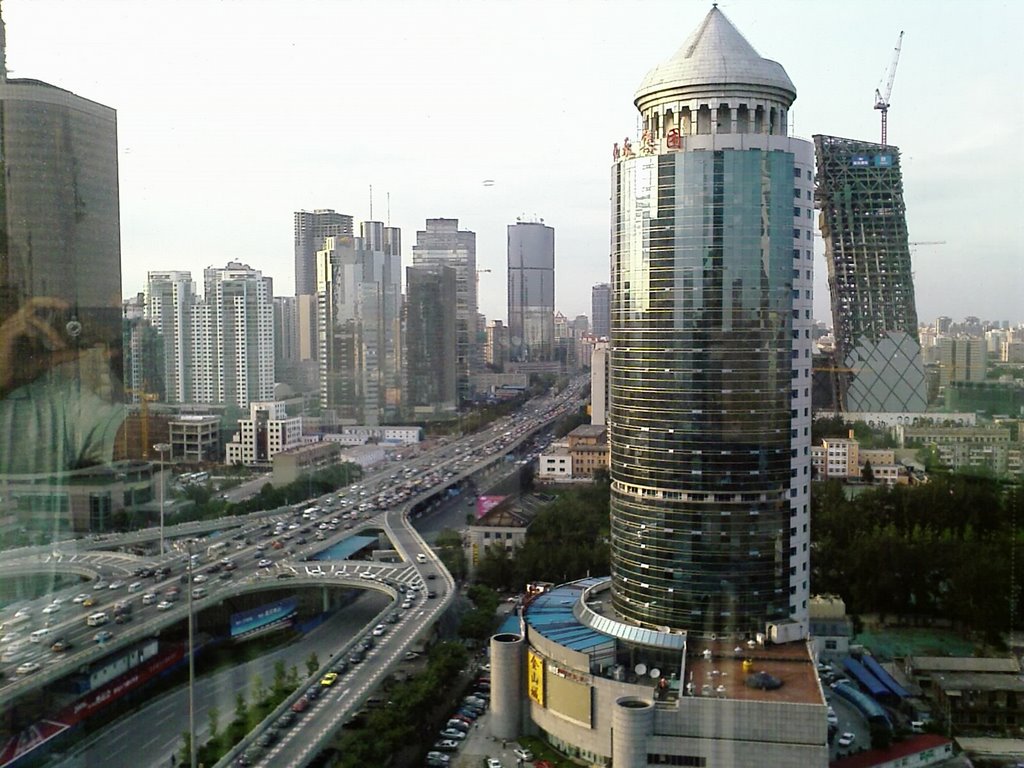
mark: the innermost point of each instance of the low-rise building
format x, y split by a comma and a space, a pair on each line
979, 702
268, 431
830, 627
360, 435
916, 752
555, 464
290, 465
581, 454
926, 671
503, 525
195, 438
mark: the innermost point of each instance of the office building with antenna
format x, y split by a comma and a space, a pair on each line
694, 651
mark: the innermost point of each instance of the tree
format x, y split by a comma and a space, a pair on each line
312, 664
241, 708
185, 754
867, 474
280, 687
214, 719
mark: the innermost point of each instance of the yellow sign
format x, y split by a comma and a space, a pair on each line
535, 677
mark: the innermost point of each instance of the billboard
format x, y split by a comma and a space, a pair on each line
569, 694
257, 618
535, 677
485, 504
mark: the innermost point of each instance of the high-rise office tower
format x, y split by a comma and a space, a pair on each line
863, 220
710, 345
143, 353
169, 298
531, 291
442, 243
60, 267
430, 359
601, 309
359, 330
709, 423
311, 227
233, 337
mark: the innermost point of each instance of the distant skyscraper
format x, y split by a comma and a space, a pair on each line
601, 309
442, 243
359, 297
430, 333
531, 291
311, 227
233, 337
169, 297
710, 356
497, 345
60, 265
863, 221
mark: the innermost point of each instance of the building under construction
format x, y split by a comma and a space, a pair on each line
859, 192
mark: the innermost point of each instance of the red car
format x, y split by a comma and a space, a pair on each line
300, 705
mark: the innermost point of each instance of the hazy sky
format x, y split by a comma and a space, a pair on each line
232, 115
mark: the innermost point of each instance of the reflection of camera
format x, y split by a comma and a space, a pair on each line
66, 323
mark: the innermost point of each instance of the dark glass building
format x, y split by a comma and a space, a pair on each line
601, 309
61, 398
710, 345
430, 333
531, 291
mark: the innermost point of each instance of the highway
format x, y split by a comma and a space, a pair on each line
266, 545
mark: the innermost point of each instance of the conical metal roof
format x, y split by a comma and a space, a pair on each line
716, 54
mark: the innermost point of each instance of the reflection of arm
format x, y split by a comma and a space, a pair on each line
56, 424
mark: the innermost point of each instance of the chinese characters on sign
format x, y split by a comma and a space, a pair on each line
535, 677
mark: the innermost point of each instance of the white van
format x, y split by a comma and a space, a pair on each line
97, 619
38, 635
198, 593
421, 558
135, 586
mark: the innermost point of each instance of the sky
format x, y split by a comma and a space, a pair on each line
234, 114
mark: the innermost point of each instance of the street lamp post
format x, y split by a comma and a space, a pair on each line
191, 668
161, 448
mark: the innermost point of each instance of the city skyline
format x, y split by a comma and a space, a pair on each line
183, 177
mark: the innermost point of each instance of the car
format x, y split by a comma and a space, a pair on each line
200, 578
469, 712
846, 739
455, 724
392, 618
267, 738
431, 576
300, 705
356, 657
329, 679
522, 754
52, 608
80, 598
164, 605
367, 575
264, 563
115, 585
831, 717
313, 692
439, 757
89, 602
122, 618
28, 668
379, 630
61, 645
103, 636
452, 733
149, 598
285, 720
445, 745
23, 613
493, 762
100, 585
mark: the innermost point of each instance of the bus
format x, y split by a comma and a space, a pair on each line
215, 549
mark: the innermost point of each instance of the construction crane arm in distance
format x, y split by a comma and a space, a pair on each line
882, 101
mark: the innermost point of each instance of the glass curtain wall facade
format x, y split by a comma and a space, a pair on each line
531, 292
701, 378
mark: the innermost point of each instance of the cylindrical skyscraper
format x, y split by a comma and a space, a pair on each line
710, 345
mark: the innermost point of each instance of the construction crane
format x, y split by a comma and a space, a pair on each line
145, 398
882, 102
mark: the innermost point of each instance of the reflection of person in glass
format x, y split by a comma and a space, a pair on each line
58, 405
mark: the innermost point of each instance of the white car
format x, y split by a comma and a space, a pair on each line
164, 605
493, 762
116, 585
522, 754
199, 578
846, 739
379, 630
52, 608
149, 598
23, 613
28, 668
79, 599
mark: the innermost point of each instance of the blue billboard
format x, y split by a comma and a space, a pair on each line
257, 618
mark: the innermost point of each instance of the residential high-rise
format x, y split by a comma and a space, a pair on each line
600, 309
311, 227
863, 222
430, 333
359, 329
60, 267
169, 297
531, 291
233, 337
442, 243
710, 345
962, 359
496, 348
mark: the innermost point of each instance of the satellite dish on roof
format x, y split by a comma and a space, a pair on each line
655, 673
640, 669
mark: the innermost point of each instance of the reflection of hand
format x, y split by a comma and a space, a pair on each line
31, 323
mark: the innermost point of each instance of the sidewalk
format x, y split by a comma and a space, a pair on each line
479, 745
